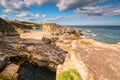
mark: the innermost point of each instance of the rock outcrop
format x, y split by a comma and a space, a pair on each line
10, 27
6, 28
60, 49
92, 62
35, 52
10, 72
60, 30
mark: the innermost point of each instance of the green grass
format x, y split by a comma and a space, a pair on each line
19, 30
69, 75
22, 23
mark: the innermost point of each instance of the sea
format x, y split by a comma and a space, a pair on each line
107, 34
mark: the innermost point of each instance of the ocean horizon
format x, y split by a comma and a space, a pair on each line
107, 34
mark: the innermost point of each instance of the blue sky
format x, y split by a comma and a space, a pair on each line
65, 12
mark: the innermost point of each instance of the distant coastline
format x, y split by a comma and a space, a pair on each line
108, 34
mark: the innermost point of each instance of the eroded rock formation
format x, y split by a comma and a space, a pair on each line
60, 30
6, 28
35, 52
92, 62
89, 59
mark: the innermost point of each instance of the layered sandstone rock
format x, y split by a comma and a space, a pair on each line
10, 72
92, 62
36, 52
60, 30
89, 59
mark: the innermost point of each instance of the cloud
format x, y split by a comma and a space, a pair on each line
15, 6
74, 4
21, 8
38, 2
57, 19
80, 6
4, 16
23, 14
99, 10
113, 13
44, 16
61, 4
27, 16
12, 6
9, 11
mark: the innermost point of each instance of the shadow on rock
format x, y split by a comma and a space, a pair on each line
32, 72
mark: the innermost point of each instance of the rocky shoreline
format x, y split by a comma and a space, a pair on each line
60, 49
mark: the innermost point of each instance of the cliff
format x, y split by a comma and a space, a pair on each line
62, 50
92, 60
33, 51
6, 28
13, 27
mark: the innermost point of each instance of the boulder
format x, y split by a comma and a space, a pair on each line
10, 72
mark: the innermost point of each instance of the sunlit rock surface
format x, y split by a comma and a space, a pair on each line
10, 72
92, 62
59, 49
36, 52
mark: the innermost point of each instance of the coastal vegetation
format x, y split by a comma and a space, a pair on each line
14, 27
19, 30
24, 25
69, 75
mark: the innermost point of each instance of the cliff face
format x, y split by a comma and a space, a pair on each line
91, 61
6, 28
35, 52
12, 27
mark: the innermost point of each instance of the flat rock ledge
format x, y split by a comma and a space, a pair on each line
36, 52
92, 62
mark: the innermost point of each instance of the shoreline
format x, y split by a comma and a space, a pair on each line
61, 49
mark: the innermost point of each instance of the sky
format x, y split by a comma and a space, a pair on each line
64, 12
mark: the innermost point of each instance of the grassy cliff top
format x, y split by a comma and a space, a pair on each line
5, 25
22, 24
